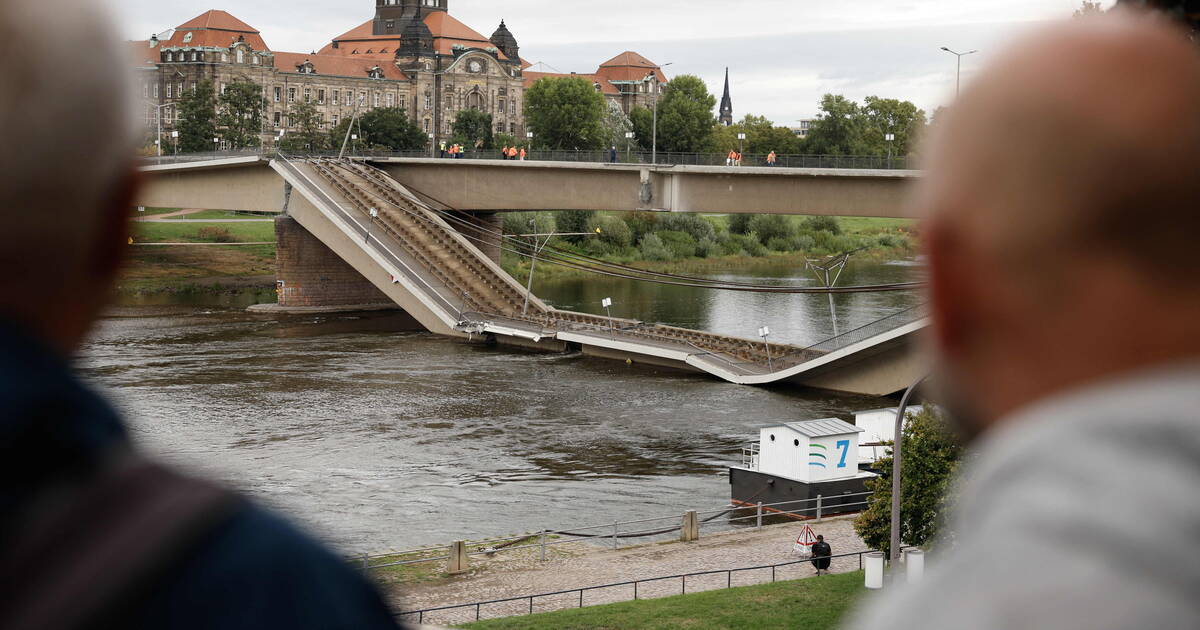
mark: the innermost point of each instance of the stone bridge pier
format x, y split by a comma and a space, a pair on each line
311, 278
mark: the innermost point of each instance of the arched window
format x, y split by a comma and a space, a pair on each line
241, 56
168, 57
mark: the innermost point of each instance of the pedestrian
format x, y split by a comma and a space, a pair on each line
442, 148
771, 158
729, 158
504, 152
612, 155
821, 552
512, 153
522, 154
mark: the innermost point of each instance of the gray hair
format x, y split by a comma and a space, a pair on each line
67, 123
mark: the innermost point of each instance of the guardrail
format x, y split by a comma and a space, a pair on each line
635, 584
664, 158
458, 553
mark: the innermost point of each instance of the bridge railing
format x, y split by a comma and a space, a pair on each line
666, 158
862, 333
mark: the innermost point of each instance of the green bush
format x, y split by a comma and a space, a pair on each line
803, 243
780, 244
707, 248
680, 244
827, 243
600, 248
752, 246
612, 230
771, 226
693, 224
740, 223
653, 248
821, 223
641, 224
573, 221
517, 223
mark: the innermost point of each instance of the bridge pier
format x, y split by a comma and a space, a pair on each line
310, 277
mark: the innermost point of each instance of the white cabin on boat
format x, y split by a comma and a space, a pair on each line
879, 426
810, 451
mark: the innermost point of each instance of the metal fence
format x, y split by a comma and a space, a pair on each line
877, 327
615, 533
664, 158
524, 604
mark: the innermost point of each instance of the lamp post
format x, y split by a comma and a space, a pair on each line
216, 145
741, 147
958, 74
654, 125
763, 332
158, 116
629, 136
897, 455
890, 137
529, 138
607, 304
175, 141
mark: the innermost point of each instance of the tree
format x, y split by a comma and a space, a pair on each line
472, 128
383, 129
565, 113
762, 136
572, 222
308, 137
241, 108
931, 457
198, 118
616, 124
642, 120
1088, 9
882, 116
685, 116
838, 127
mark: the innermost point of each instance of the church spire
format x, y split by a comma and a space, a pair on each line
726, 104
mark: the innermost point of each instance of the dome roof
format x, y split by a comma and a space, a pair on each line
504, 40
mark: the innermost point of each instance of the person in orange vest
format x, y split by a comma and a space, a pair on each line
729, 158
504, 152
523, 154
512, 153
737, 158
771, 158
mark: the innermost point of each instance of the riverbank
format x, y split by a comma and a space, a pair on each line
583, 565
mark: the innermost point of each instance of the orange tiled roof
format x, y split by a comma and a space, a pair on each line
214, 29
219, 20
447, 31
629, 66
339, 65
142, 54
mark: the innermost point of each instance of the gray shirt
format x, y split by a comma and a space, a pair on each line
1082, 511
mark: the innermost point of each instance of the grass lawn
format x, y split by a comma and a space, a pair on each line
201, 232
811, 604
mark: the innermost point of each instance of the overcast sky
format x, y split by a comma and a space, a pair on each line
782, 54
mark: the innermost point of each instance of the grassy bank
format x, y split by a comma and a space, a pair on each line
813, 604
184, 268
679, 243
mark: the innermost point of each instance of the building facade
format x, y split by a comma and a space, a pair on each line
412, 54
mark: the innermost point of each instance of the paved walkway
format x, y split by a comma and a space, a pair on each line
521, 573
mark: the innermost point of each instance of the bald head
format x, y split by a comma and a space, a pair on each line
65, 173
1062, 182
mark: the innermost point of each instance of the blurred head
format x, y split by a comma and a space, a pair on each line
1062, 195
65, 175
820, 538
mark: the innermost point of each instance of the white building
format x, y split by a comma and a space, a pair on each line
878, 426
810, 451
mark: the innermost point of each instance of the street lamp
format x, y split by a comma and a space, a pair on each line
763, 332
216, 145
897, 442
607, 304
654, 129
175, 141
890, 137
741, 142
158, 116
629, 136
958, 75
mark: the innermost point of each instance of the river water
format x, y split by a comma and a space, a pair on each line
377, 438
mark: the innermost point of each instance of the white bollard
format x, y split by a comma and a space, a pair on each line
874, 567
914, 563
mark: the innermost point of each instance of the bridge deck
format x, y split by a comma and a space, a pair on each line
458, 290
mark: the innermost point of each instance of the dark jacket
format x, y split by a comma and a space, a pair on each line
821, 552
247, 569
